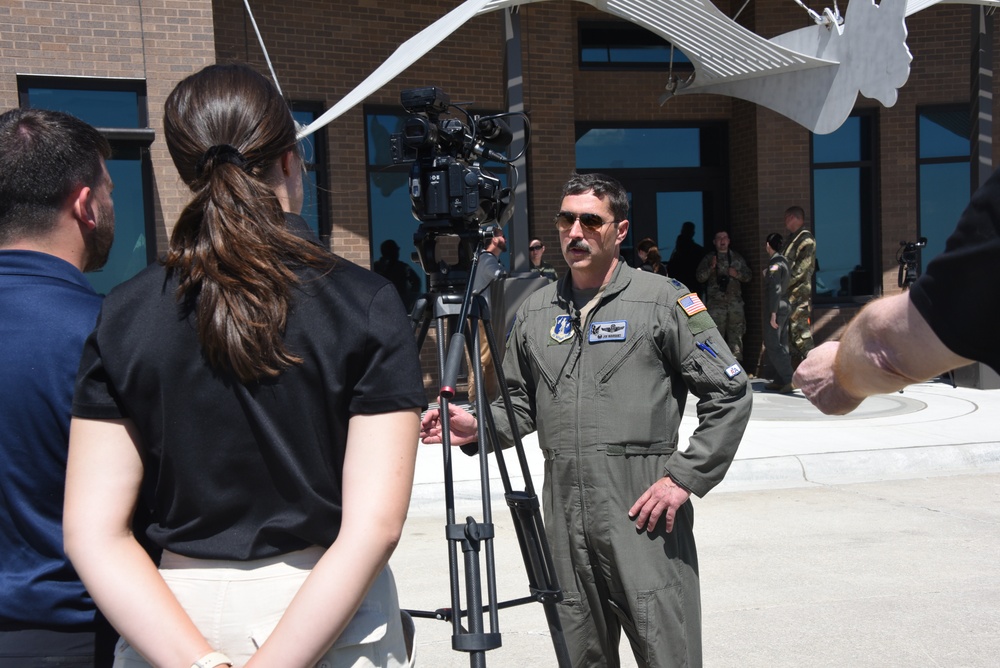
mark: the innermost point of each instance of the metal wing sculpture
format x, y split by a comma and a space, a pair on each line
812, 75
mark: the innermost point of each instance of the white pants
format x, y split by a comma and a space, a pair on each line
237, 604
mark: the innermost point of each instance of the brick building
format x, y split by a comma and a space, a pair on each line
591, 86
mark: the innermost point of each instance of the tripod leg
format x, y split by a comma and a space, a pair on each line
525, 510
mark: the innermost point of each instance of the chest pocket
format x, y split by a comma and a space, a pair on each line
632, 387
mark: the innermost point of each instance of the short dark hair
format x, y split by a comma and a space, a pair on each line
796, 211
775, 241
44, 157
603, 186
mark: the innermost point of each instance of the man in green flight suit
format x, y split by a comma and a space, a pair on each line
600, 364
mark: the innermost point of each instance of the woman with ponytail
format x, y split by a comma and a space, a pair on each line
259, 398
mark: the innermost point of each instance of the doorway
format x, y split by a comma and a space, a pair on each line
672, 174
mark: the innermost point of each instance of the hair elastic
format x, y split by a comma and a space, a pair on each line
221, 153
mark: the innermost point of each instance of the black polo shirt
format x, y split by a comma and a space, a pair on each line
245, 471
959, 292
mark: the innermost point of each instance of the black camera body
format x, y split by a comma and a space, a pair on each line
908, 257
448, 188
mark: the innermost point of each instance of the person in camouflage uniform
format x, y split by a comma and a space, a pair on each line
722, 272
801, 254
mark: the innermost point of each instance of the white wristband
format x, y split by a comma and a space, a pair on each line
211, 660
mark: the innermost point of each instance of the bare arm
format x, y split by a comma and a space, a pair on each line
886, 347
378, 478
103, 475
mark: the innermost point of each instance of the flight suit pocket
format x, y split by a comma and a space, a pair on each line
656, 625
630, 383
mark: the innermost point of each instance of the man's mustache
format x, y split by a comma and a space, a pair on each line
578, 244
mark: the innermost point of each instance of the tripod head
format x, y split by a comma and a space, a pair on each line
444, 278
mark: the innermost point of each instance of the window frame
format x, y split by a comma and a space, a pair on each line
869, 207
920, 111
121, 138
320, 166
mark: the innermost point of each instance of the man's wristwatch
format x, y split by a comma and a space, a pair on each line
211, 660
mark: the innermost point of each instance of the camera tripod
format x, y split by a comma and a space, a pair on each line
464, 313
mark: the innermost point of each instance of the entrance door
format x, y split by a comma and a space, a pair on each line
673, 175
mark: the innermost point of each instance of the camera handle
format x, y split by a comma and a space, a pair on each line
465, 314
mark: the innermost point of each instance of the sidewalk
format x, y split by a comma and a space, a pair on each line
865, 540
927, 430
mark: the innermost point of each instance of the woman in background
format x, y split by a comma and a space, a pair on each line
261, 397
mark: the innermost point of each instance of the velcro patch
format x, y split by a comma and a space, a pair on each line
733, 371
700, 322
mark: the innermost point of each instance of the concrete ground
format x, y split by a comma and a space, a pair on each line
867, 540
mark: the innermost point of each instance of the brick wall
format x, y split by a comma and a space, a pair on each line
160, 41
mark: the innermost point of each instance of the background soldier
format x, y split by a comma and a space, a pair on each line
722, 272
801, 253
536, 249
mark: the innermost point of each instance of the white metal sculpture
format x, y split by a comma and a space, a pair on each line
812, 75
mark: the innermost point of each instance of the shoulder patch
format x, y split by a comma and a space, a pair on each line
678, 284
691, 304
774, 267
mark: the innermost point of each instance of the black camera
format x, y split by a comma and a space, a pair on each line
723, 281
448, 187
908, 257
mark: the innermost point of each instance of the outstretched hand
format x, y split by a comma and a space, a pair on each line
817, 379
463, 425
662, 499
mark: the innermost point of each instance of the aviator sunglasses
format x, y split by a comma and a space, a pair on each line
565, 219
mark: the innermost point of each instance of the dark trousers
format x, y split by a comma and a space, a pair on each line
776, 344
27, 648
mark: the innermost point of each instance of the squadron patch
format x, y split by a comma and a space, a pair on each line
562, 329
607, 331
733, 371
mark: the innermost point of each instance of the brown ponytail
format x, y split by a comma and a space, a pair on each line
226, 128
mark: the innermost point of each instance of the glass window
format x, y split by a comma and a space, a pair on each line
313, 148
844, 205
673, 209
100, 108
112, 105
622, 45
945, 176
619, 148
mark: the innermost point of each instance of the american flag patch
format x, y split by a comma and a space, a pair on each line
691, 304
